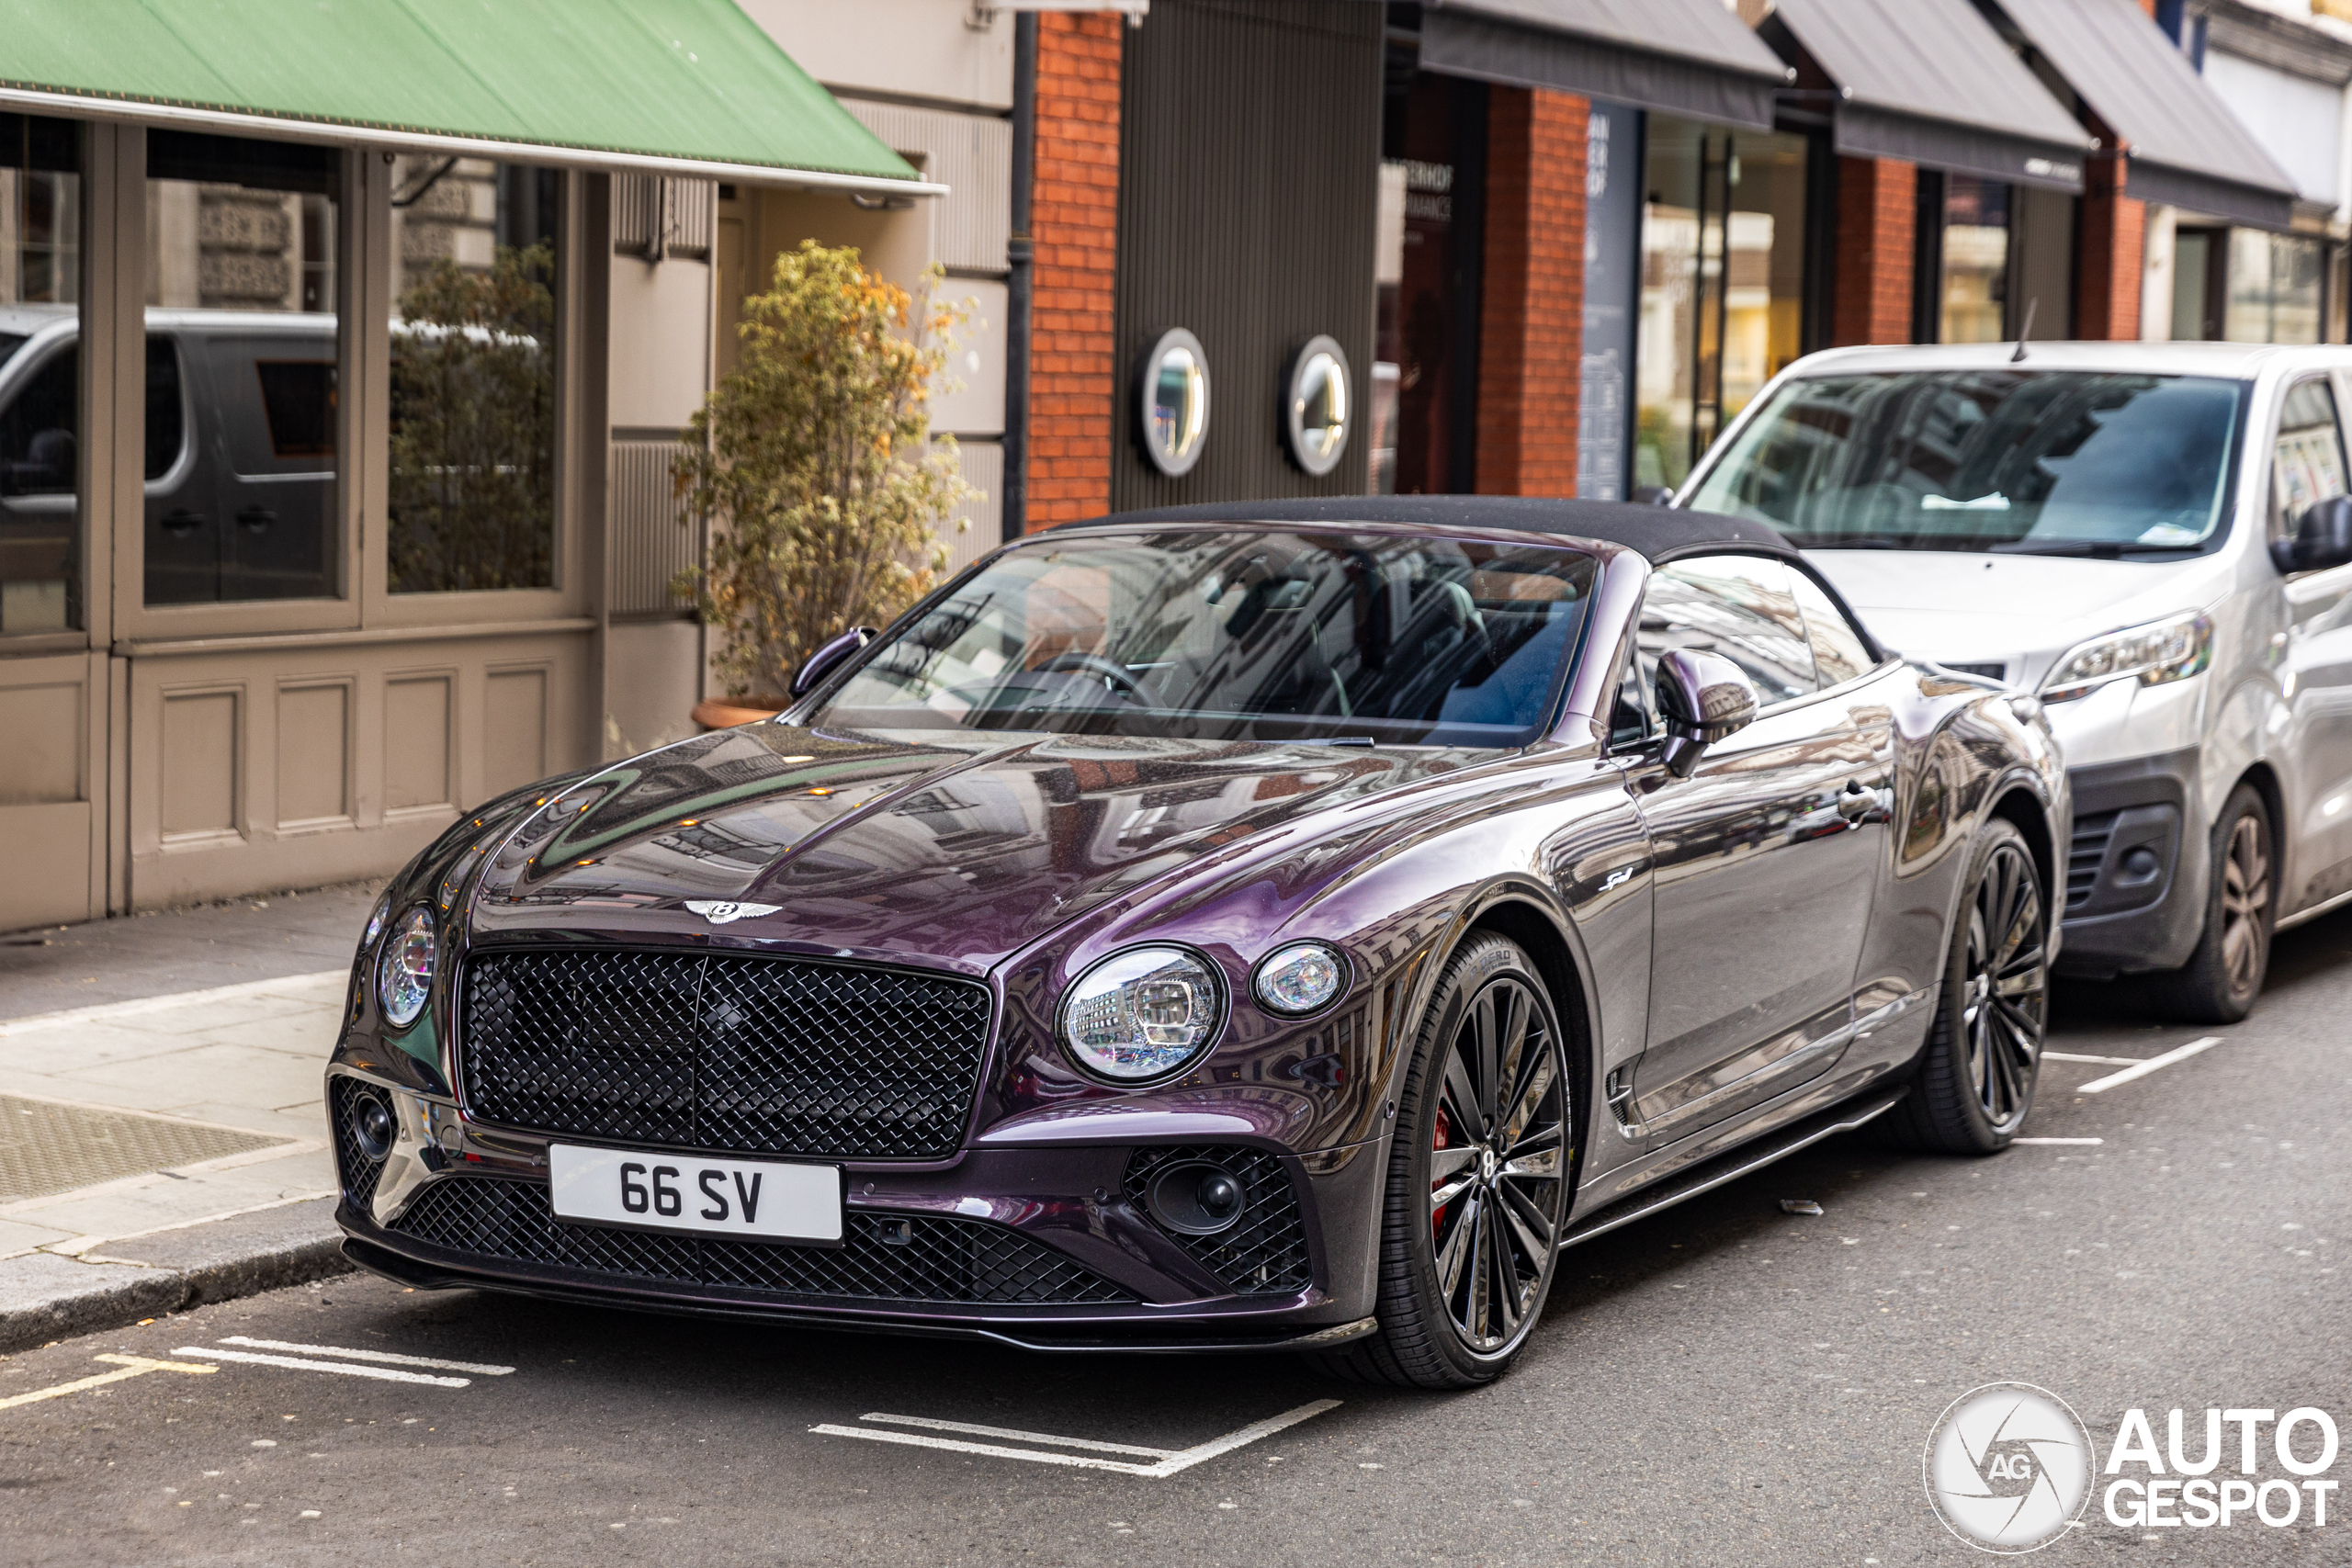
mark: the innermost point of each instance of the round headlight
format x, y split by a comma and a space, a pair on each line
1142, 1014
404, 973
1302, 977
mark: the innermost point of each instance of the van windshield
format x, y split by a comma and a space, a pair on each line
2037, 462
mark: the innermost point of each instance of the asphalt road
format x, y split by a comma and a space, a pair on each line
1727, 1383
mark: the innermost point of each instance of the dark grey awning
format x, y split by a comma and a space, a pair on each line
1691, 57
1931, 82
2187, 147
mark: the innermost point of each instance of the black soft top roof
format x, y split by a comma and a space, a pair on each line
1659, 532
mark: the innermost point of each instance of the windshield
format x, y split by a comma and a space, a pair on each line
1237, 633
2054, 462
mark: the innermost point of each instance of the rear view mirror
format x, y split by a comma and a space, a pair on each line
2323, 538
826, 659
1704, 698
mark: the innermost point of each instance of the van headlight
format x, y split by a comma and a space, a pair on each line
1142, 1014
404, 970
2153, 654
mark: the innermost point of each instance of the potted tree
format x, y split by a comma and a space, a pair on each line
814, 467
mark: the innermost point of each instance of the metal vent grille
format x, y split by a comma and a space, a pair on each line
751, 1056
358, 1172
2085, 855
1265, 1252
651, 543
914, 1258
972, 154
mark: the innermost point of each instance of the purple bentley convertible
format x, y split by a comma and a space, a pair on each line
1285, 926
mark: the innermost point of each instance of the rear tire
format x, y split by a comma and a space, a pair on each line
2222, 979
1477, 1179
1976, 1080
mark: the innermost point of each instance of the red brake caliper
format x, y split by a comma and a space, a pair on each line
1444, 1137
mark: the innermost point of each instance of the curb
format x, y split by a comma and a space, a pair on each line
45, 1296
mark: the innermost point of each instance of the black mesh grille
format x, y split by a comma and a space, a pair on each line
757, 1055
1265, 1252
358, 1172
2086, 853
911, 1257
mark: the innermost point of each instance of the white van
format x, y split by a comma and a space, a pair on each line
2152, 538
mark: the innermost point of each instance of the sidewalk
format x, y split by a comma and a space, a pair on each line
163, 1140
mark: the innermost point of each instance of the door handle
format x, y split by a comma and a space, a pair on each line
257, 519
181, 523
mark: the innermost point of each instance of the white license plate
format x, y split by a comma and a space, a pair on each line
689, 1192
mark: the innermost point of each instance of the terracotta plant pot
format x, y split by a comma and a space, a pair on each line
726, 712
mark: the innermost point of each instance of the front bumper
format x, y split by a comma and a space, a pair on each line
2137, 867
1043, 1246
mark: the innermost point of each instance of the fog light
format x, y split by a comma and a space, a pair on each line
1195, 1198
373, 1127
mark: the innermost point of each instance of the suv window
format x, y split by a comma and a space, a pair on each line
1839, 652
166, 420
2307, 461
1739, 606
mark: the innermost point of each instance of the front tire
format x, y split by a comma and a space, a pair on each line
1477, 1179
1976, 1081
2222, 977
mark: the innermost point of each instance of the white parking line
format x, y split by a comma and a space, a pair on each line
2142, 1070
345, 1369
386, 1356
2057, 1140
1170, 1463
2102, 1061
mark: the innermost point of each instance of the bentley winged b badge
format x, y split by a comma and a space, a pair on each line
718, 911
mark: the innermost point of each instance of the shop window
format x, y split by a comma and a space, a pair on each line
244, 338
40, 424
2274, 287
1434, 192
1972, 303
1723, 228
474, 376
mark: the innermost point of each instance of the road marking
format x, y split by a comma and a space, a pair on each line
2099, 1061
386, 1356
129, 1366
2142, 1070
382, 1374
1170, 1464
972, 1431
2057, 1140
212, 997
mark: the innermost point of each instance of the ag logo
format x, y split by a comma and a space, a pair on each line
718, 911
2009, 1467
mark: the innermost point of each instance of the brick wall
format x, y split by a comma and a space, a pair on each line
1877, 234
1530, 327
1074, 210
2114, 231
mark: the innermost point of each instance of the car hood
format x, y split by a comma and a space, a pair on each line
1942, 605
950, 847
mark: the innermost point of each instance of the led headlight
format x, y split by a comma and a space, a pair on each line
404, 972
2160, 652
1142, 1014
1303, 977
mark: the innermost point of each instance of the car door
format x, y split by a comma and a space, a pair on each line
273, 441
183, 541
1767, 856
2307, 465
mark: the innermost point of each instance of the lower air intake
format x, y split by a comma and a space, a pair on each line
1264, 1251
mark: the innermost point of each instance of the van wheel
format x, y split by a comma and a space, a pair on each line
1478, 1189
2222, 977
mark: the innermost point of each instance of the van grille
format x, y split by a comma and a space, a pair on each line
750, 1055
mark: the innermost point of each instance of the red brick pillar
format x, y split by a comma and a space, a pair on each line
1530, 312
1074, 215
1878, 211
2114, 231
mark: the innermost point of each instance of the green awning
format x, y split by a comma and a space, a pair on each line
690, 86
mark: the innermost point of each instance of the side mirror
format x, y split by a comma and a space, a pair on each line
1652, 495
1704, 698
2323, 538
826, 659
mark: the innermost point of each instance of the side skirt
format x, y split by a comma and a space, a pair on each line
1731, 1167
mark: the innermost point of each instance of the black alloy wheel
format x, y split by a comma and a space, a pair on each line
2224, 975
1477, 1181
1984, 1057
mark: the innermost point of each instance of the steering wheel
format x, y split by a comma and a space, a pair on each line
1112, 673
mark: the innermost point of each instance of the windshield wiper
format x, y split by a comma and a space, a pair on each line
2096, 549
